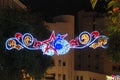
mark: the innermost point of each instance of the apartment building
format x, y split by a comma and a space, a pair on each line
92, 61
83, 64
12, 4
64, 64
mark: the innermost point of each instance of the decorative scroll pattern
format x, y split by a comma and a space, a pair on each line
92, 40
57, 44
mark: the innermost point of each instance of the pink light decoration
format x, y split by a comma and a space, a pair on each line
57, 44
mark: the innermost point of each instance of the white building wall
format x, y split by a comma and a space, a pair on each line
67, 26
86, 75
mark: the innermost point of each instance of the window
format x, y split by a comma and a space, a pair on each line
79, 66
64, 77
90, 78
119, 68
89, 66
114, 68
81, 77
97, 55
94, 27
77, 77
53, 63
59, 76
89, 56
79, 56
64, 64
97, 67
59, 62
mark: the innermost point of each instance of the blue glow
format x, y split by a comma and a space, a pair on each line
57, 42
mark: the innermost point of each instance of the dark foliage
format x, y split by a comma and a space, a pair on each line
114, 46
12, 62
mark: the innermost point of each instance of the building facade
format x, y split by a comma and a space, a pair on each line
64, 64
12, 4
84, 64
92, 61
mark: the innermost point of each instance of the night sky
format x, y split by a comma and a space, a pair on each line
62, 6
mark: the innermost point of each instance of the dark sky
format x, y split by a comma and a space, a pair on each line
62, 6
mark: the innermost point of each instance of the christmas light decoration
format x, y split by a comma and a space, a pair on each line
57, 44
113, 77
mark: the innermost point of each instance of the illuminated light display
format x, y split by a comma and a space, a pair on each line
57, 44
113, 77
92, 40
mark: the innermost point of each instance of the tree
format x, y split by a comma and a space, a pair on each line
113, 48
14, 64
113, 8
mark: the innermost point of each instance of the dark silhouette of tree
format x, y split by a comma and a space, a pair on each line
13, 63
113, 7
114, 43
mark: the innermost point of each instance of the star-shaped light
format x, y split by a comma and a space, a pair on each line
49, 42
